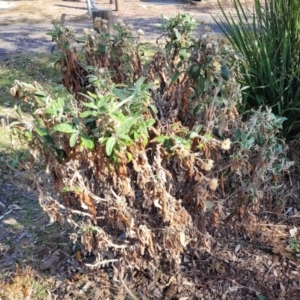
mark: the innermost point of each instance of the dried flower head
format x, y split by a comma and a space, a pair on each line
140, 32
104, 21
97, 22
222, 41
204, 36
207, 166
104, 27
226, 144
101, 70
86, 31
213, 36
130, 26
215, 50
207, 28
126, 44
213, 184
219, 58
209, 46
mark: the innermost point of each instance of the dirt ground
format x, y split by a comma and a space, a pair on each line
25, 23
37, 261
33, 12
147, 13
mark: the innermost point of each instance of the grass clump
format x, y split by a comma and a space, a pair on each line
268, 39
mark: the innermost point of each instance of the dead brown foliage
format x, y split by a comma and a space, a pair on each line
158, 201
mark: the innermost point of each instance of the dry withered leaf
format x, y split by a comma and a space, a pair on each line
51, 263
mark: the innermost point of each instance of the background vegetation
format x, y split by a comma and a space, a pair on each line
268, 40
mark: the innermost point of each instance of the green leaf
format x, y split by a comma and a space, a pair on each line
92, 78
262, 297
73, 139
198, 128
103, 110
225, 72
250, 142
194, 71
208, 136
110, 143
238, 134
129, 156
87, 141
19, 111
90, 105
53, 47
175, 76
60, 154
118, 116
144, 139
76, 122
150, 122
41, 131
125, 127
55, 106
17, 159
40, 94
90, 68
139, 83
78, 189
124, 102
87, 113
193, 135
260, 139
177, 34
65, 127
28, 135
48, 138
120, 94
66, 189
51, 111
61, 102
183, 54
90, 96
153, 108
179, 65
161, 139
124, 138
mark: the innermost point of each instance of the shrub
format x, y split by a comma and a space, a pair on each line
140, 164
268, 40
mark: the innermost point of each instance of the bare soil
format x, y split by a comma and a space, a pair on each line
44, 11
25, 23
